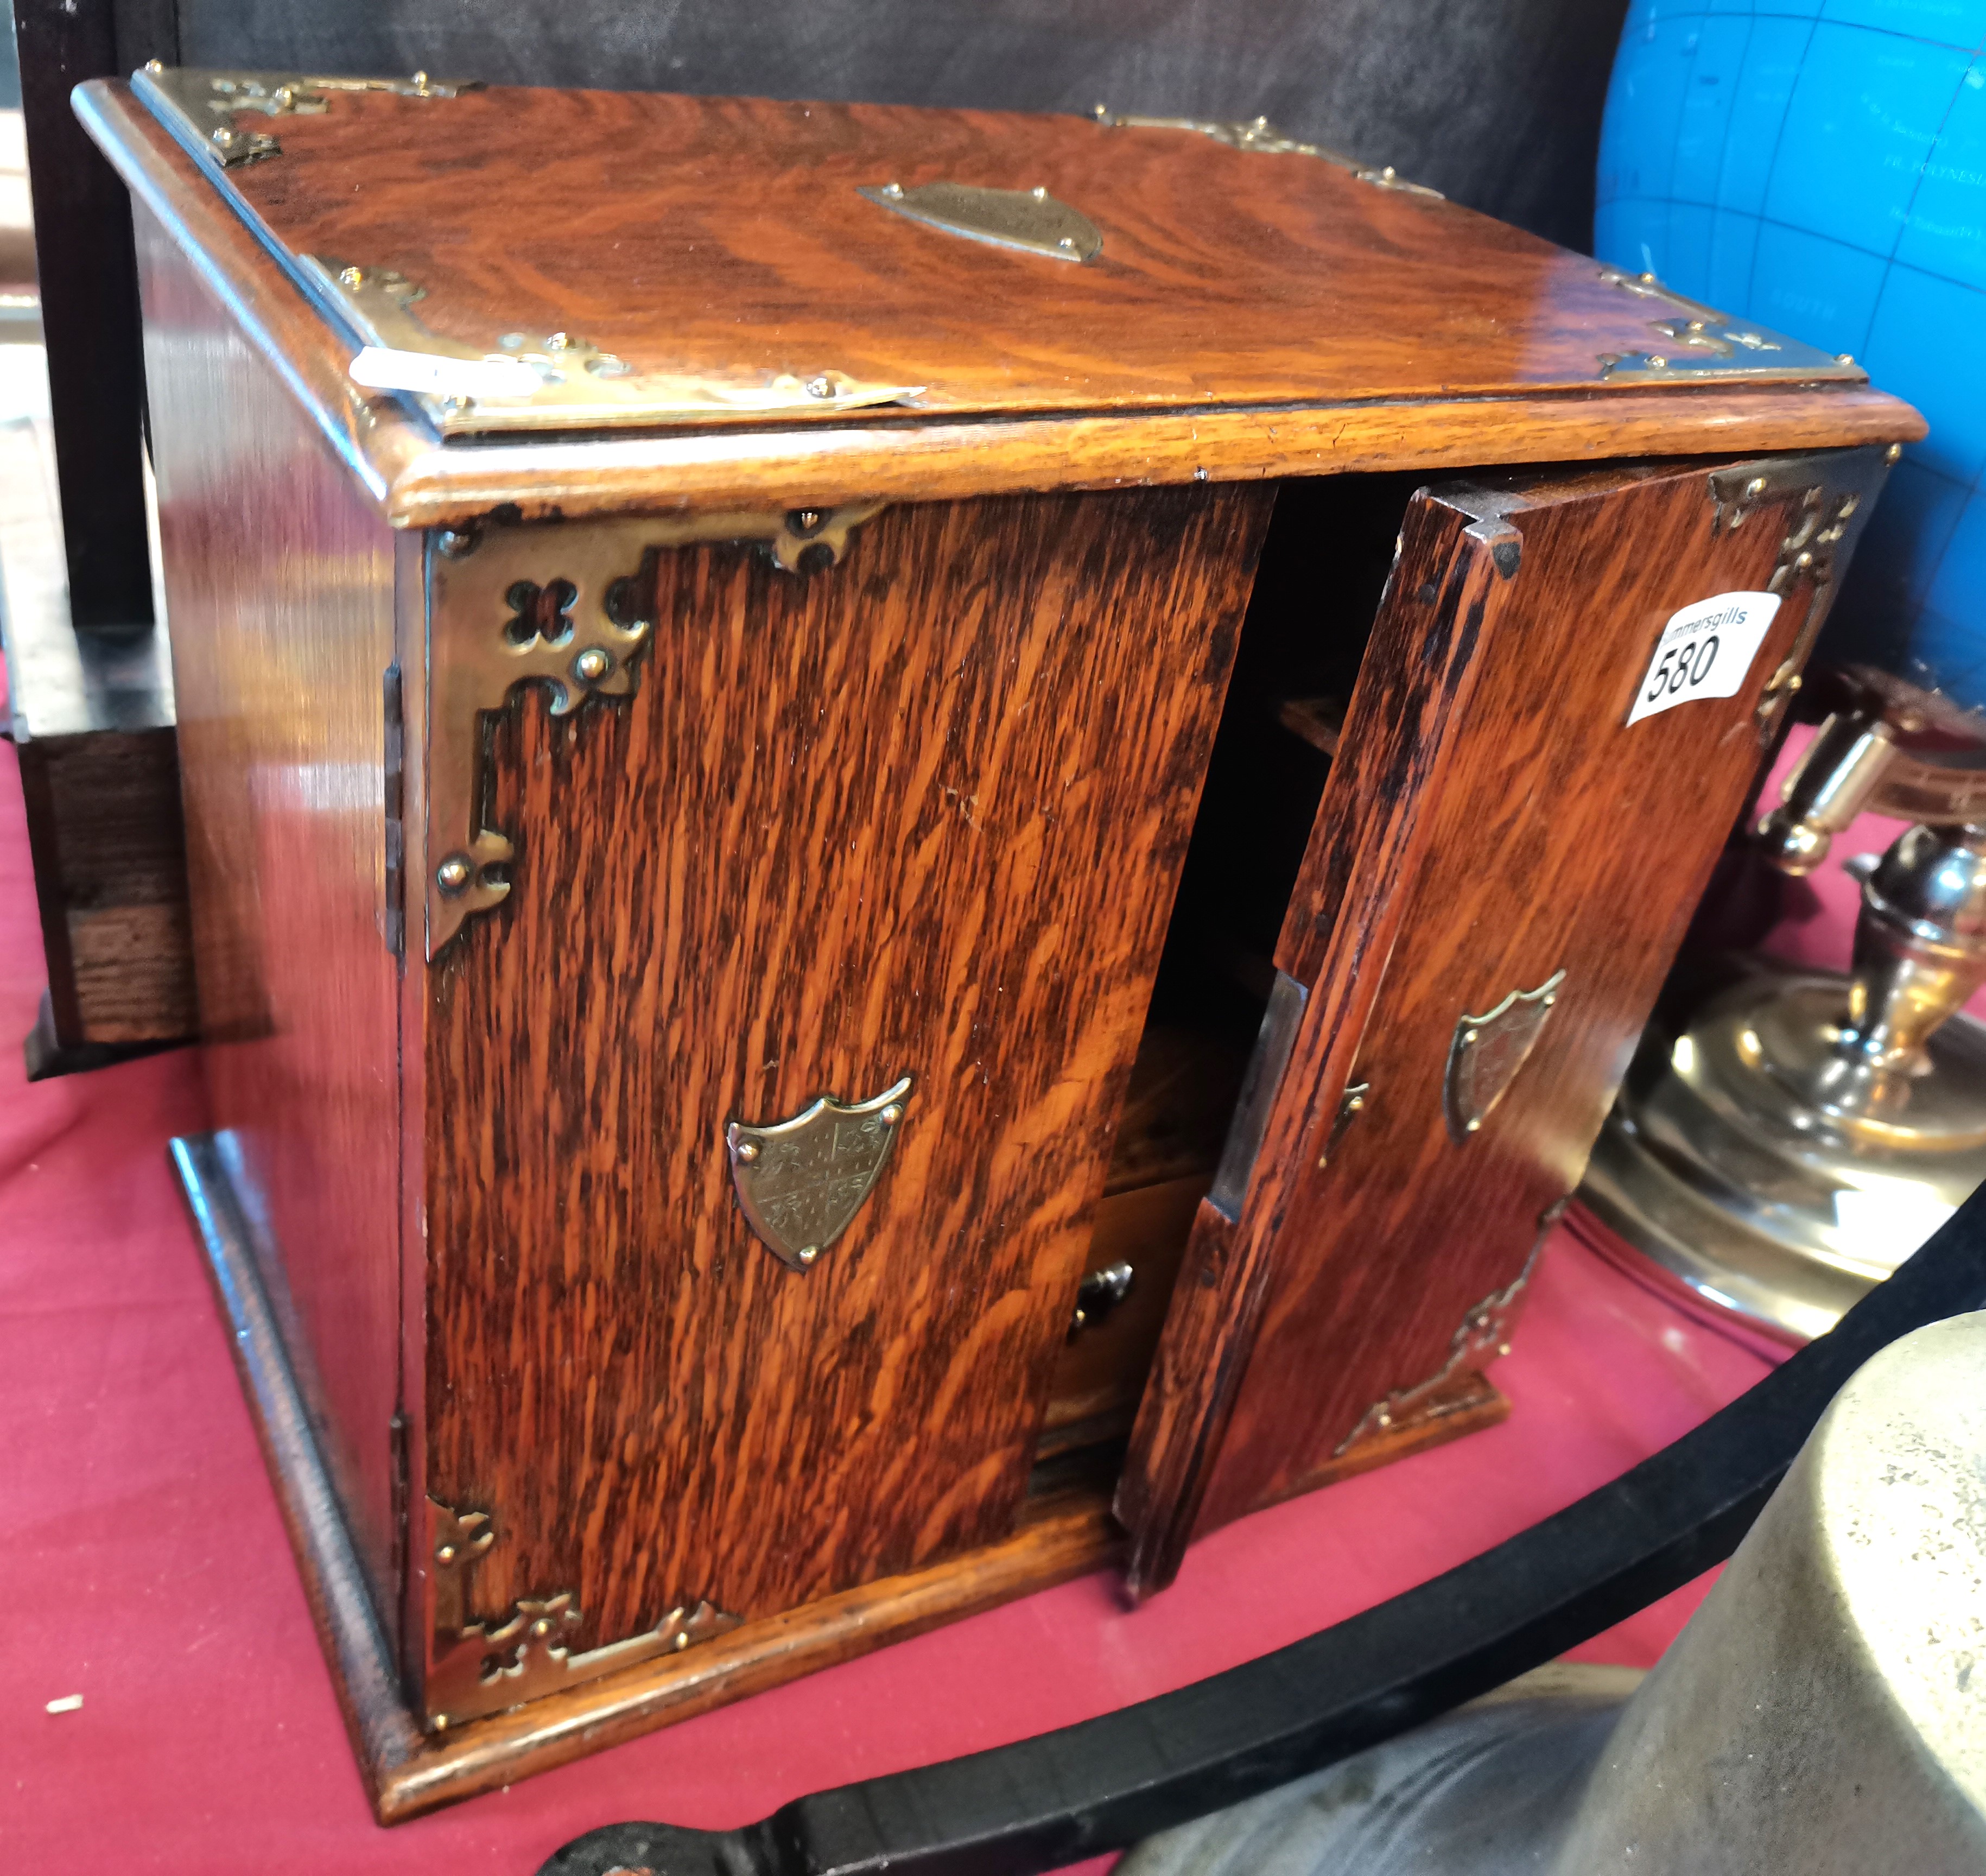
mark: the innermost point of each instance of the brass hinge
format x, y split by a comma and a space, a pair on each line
396, 1464
395, 771
1351, 1105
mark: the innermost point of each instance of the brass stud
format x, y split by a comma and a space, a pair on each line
808, 1252
445, 1554
1844, 358
1754, 488
682, 1640
893, 190
1894, 454
823, 386
592, 665
748, 1150
453, 874
892, 1114
1467, 1037
541, 1627
1039, 193
455, 542
352, 276
155, 66
1068, 242
1474, 1126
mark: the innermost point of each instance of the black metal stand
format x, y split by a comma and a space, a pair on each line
1046, 1802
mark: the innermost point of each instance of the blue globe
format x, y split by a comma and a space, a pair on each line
1819, 166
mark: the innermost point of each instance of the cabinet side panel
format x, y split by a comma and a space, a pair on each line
921, 813
279, 584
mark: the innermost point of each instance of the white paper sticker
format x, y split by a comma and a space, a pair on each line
379, 369
1704, 650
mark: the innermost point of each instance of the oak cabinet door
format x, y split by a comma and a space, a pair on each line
1569, 689
901, 832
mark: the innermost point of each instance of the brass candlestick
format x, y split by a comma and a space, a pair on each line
1784, 1148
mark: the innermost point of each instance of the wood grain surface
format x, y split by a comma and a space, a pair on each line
1058, 1534
1556, 836
104, 827
920, 455
1055, 1537
857, 461
279, 579
1182, 1090
1100, 1371
724, 238
921, 813
1417, 675
374, 438
1499, 107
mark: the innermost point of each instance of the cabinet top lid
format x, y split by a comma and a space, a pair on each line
513, 259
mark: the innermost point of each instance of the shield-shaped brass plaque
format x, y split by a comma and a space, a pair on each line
800, 1181
1487, 1052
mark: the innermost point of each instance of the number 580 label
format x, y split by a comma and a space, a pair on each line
1704, 650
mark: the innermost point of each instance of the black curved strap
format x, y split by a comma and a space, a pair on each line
1053, 1799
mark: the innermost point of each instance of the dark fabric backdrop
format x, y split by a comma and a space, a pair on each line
1495, 102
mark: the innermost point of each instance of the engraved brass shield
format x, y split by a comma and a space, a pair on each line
1487, 1052
801, 1181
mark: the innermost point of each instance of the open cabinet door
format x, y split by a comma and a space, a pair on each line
1570, 687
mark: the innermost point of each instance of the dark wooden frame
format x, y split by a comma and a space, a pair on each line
92, 710
89, 294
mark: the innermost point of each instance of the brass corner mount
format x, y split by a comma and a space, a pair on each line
474, 1669
1697, 342
1483, 1333
204, 107
1262, 137
563, 605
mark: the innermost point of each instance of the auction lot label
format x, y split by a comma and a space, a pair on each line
1704, 650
